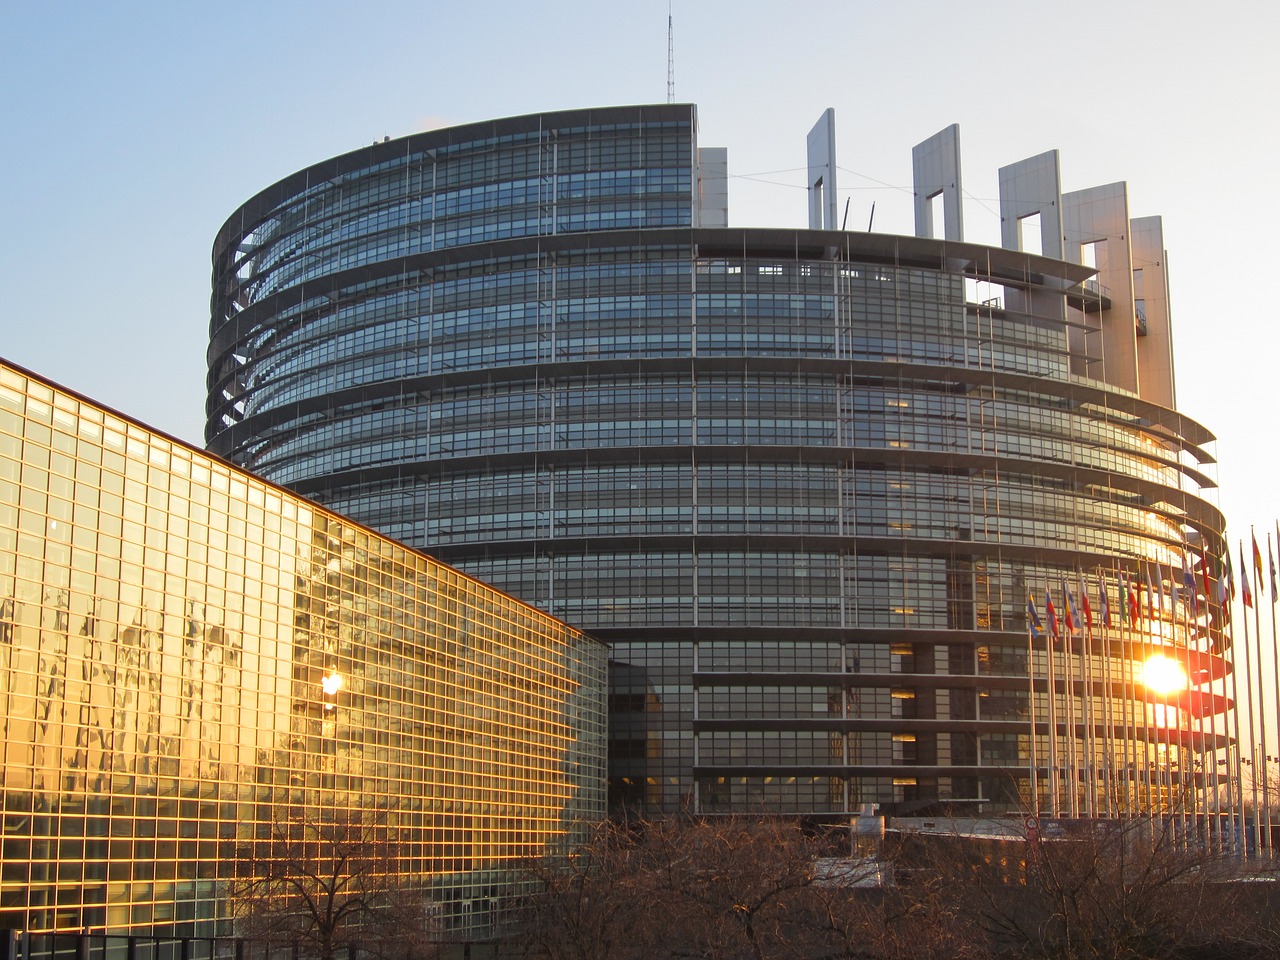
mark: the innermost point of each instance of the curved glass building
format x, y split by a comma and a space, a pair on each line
803, 481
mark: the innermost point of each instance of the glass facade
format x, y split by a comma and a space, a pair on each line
802, 481
190, 657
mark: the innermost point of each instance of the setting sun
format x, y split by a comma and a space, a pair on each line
1163, 675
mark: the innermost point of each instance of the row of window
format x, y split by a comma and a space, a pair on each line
567, 284
174, 632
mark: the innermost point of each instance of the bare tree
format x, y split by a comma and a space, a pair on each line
742, 887
768, 889
718, 889
590, 903
1114, 889
324, 887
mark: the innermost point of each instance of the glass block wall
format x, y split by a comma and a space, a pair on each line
191, 657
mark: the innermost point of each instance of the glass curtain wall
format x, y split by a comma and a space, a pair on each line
193, 660
804, 482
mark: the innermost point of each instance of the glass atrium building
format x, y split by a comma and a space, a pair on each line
192, 659
802, 480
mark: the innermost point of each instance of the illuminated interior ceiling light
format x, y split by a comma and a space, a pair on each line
1163, 675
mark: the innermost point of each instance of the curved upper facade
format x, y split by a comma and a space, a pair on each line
803, 480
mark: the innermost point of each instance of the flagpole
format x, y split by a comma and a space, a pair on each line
1260, 708
1215, 783
1172, 721
1170, 784
1050, 638
1275, 661
1090, 782
1226, 590
1031, 703
1142, 772
1128, 704
1069, 683
1248, 684
1208, 760
1215, 648
1151, 733
1108, 701
1155, 641
1194, 737
1180, 636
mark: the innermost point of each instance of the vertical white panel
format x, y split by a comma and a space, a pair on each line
1100, 216
935, 165
821, 149
1029, 187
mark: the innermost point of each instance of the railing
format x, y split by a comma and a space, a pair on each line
1093, 286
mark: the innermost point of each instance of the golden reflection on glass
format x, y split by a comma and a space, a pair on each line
188, 658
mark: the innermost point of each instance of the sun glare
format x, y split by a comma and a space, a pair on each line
1163, 675
332, 683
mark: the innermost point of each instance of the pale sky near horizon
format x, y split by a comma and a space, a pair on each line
131, 130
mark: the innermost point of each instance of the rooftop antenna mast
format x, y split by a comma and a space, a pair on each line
671, 57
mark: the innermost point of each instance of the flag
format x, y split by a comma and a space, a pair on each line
1151, 594
1230, 576
1104, 607
1271, 562
1257, 557
1051, 614
1173, 591
1189, 581
1034, 623
1072, 617
1134, 609
1218, 623
1204, 565
1226, 589
1245, 592
1088, 611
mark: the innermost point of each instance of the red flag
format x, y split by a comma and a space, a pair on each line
1052, 615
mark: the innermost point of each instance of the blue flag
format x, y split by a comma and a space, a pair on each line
1033, 618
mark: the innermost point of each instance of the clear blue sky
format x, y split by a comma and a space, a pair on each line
131, 130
